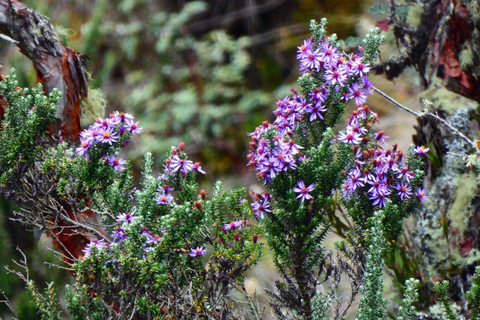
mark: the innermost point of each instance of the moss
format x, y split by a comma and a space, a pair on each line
93, 106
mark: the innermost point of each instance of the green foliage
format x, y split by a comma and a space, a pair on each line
473, 296
372, 304
46, 303
441, 290
407, 310
27, 118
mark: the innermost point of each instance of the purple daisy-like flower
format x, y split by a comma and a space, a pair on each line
421, 150
316, 110
357, 94
133, 126
260, 208
90, 135
183, 165
117, 164
119, 233
97, 244
303, 191
82, 150
198, 251
163, 198
124, 116
232, 225
350, 137
311, 60
421, 195
379, 199
404, 191
126, 218
304, 48
107, 136
336, 76
360, 68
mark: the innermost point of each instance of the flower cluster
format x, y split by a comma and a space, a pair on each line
178, 162
107, 132
273, 148
261, 204
378, 172
339, 71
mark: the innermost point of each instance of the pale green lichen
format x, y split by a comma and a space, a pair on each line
460, 211
444, 99
466, 57
93, 106
64, 33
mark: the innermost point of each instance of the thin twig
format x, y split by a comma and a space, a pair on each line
433, 115
4, 37
417, 114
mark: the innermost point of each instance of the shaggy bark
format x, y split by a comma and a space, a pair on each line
57, 66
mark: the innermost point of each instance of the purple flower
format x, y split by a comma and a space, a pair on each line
89, 135
303, 191
197, 168
198, 251
380, 136
366, 86
316, 110
311, 60
359, 68
421, 150
357, 94
232, 225
260, 208
117, 164
329, 54
124, 116
119, 233
163, 198
133, 126
304, 48
97, 244
379, 199
349, 137
107, 135
183, 165
125, 218
421, 195
336, 76
354, 180
404, 191
405, 173
82, 150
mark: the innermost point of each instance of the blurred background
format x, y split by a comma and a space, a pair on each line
202, 72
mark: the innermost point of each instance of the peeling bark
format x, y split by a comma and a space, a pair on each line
57, 66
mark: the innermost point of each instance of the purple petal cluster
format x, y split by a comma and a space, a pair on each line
198, 251
106, 132
379, 173
342, 72
270, 156
303, 191
99, 245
